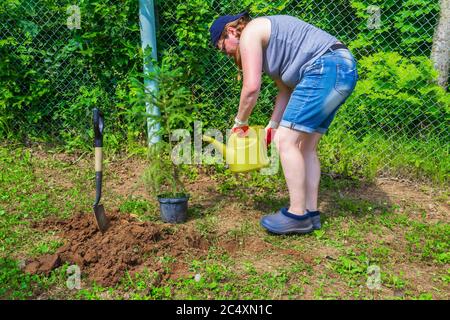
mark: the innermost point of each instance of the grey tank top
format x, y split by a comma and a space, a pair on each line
293, 45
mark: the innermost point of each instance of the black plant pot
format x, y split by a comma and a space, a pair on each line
173, 210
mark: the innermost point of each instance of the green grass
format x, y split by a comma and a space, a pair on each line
208, 225
46, 247
244, 230
15, 284
141, 208
355, 234
345, 154
28, 196
220, 280
19, 285
430, 242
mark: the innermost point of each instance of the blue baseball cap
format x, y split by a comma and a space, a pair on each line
220, 23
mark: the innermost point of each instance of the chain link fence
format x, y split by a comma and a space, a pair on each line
61, 58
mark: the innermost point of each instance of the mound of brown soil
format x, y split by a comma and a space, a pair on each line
127, 245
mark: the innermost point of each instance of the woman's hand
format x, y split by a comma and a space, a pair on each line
241, 130
270, 134
270, 129
240, 127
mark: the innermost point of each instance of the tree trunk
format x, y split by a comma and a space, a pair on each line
440, 52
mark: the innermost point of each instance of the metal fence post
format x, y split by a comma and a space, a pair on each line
148, 38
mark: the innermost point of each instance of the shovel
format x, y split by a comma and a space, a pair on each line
99, 211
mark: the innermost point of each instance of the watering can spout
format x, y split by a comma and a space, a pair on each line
218, 145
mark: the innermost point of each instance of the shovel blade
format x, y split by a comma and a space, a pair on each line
100, 218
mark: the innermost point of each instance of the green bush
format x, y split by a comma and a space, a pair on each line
51, 77
397, 95
396, 118
406, 25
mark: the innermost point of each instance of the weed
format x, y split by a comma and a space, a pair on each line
241, 232
142, 208
208, 225
319, 234
430, 241
351, 267
425, 296
394, 281
17, 284
46, 247
446, 277
95, 292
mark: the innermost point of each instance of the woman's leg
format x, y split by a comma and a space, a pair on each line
293, 163
323, 88
308, 148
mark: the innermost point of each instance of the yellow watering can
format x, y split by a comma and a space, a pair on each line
244, 152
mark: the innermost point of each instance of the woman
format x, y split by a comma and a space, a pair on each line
315, 74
